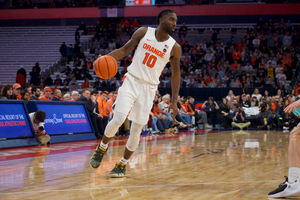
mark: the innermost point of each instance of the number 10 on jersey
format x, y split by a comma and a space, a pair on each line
149, 60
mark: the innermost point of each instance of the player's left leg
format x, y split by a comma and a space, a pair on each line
131, 145
291, 186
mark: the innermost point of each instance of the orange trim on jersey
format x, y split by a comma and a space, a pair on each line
123, 78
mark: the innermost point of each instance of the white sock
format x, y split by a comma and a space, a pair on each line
102, 145
123, 160
294, 173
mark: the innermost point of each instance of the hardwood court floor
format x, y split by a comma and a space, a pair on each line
191, 165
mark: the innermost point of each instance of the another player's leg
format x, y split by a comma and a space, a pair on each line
291, 186
132, 143
110, 130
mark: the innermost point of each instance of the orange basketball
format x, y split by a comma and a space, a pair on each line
105, 67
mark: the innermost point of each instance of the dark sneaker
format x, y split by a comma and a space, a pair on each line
97, 157
286, 189
118, 171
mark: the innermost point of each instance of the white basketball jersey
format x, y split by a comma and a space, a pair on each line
151, 57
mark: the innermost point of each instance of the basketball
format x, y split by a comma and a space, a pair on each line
105, 67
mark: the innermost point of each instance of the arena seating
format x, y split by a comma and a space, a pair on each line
28, 45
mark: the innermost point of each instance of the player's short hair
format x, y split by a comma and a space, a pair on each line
34, 89
40, 115
56, 92
94, 92
104, 92
83, 91
165, 96
66, 95
74, 92
163, 13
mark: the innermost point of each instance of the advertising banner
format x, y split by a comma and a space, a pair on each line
65, 118
13, 120
112, 12
142, 2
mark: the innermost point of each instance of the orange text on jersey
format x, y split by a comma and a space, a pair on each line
153, 50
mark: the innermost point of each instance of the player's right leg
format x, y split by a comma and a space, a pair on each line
110, 130
291, 186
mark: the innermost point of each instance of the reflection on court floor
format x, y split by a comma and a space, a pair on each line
189, 165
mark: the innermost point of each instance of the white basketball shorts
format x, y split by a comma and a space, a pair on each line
135, 97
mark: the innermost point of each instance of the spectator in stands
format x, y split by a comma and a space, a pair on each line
244, 102
77, 36
97, 83
7, 93
185, 47
182, 30
281, 77
74, 95
135, 23
17, 91
87, 75
58, 81
111, 45
57, 95
70, 51
287, 40
37, 67
35, 80
256, 42
36, 92
287, 120
210, 107
48, 81
239, 119
208, 56
281, 26
265, 117
85, 84
275, 109
73, 81
114, 82
77, 75
261, 72
21, 76
25, 96
85, 96
83, 28
187, 111
248, 68
47, 94
254, 101
163, 106
63, 51
256, 94
66, 97
199, 115
223, 114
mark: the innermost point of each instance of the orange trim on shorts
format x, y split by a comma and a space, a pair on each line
123, 78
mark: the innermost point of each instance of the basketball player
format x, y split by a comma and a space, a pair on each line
154, 49
291, 186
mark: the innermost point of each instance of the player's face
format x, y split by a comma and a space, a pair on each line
47, 94
169, 23
38, 92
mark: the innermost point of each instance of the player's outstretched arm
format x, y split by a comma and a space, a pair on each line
130, 45
175, 64
292, 107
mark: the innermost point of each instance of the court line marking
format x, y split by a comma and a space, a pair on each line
223, 194
139, 186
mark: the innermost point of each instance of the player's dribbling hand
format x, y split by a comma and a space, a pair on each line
292, 107
174, 108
